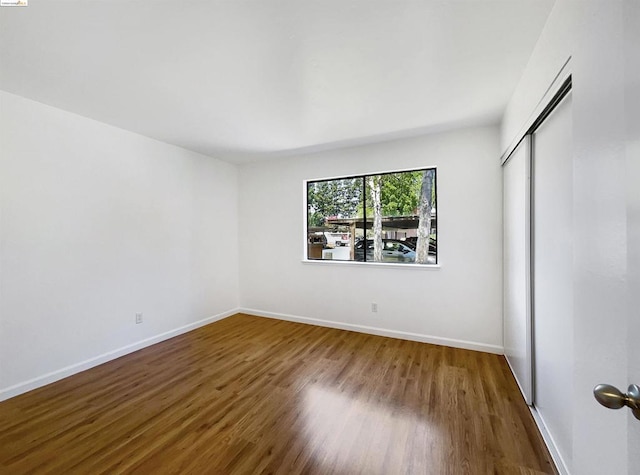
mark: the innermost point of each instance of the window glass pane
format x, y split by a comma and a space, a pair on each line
334, 211
401, 217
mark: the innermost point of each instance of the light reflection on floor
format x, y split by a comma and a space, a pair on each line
359, 436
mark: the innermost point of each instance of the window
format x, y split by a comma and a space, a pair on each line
387, 217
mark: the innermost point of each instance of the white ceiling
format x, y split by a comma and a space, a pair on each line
247, 79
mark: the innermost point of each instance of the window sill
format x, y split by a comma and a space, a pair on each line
388, 265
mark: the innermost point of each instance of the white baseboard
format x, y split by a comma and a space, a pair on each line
467, 345
62, 373
550, 443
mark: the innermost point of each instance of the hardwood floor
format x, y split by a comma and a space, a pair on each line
252, 395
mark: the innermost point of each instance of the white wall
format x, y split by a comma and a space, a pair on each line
459, 303
591, 32
97, 224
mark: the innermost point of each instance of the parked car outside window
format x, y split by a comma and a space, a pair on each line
392, 251
413, 242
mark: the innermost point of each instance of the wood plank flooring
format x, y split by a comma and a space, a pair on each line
250, 395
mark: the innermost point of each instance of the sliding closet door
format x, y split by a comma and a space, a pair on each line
553, 274
516, 270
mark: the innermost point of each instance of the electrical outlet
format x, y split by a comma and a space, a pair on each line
138, 318
374, 307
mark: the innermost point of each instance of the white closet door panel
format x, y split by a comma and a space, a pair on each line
553, 274
516, 267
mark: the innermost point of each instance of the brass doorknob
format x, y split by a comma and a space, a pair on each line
611, 397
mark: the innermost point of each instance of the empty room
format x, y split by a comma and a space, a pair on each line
319, 237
